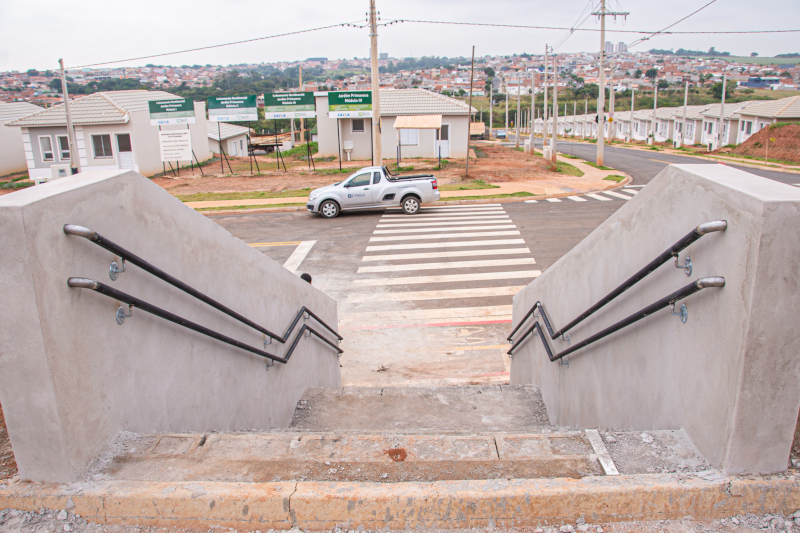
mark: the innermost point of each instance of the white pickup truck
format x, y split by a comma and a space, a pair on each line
372, 187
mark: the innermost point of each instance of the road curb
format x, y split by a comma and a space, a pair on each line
622, 183
441, 504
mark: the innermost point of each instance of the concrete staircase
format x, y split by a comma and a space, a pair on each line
390, 435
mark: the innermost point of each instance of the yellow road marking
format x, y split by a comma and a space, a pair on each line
660, 161
262, 244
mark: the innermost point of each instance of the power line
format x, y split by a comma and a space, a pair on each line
521, 26
578, 23
643, 39
215, 45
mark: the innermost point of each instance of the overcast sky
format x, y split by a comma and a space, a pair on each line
91, 31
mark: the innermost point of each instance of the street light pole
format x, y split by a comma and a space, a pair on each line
74, 160
377, 156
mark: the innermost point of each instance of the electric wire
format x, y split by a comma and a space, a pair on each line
577, 23
643, 39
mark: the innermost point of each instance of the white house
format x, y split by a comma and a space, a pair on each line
12, 153
232, 137
759, 115
730, 123
335, 134
112, 131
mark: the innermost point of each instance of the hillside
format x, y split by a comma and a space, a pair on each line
786, 145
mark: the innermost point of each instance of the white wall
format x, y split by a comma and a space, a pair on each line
71, 378
12, 152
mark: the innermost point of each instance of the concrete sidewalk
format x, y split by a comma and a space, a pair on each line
593, 180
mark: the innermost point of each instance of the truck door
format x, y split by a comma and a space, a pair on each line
358, 191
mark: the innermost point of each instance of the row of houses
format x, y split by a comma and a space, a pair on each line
113, 131
738, 122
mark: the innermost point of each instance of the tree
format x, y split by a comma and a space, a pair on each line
716, 90
55, 84
638, 73
32, 72
489, 71
651, 73
786, 74
663, 84
753, 54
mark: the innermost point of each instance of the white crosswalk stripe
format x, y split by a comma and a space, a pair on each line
445, 278
630, 191
505, 220
450, 264
449, 214
577, 199
446, 220
554, 200
443, 236
431, 245
455, 228
617, 195
440, 255
435, 295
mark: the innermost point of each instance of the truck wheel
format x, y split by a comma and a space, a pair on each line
329, 209
410, 205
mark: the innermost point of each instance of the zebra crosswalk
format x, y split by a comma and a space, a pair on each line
625, 193
452, 271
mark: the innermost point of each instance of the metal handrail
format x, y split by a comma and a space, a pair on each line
85, 283
667, 301
669, 253
126, 255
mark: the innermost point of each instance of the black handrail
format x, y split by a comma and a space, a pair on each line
125, 255
680, 294
85, 283
669, 253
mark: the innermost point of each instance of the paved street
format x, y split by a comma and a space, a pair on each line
427, 299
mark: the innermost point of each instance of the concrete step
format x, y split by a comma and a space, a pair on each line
479, 408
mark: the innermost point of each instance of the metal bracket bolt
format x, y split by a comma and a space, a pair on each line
114, 270
267, 341
564, 361
686, 266
683, 312
565, 338
270, 363
121, 316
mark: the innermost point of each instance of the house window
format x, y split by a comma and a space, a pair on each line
357, 125
63, 148
102, 146
409, 137
749, 127
46, 143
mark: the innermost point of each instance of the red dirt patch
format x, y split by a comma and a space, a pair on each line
786, 146
8, 466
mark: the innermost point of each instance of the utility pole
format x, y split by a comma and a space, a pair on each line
544, 109
377, 156
517, 121
601, 104
633, 108
555, 111
469, 121
302, 121
685, 104
491, 108
585, 113
574, 116
611, 94
655, 105
722, 112
74, 160
505, 83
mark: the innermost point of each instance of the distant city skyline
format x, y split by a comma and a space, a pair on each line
92, 31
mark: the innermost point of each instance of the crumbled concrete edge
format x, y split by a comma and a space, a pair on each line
442, 504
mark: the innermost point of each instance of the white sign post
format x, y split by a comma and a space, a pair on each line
175, 145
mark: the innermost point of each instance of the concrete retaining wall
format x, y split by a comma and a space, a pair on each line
730, 376
71, 378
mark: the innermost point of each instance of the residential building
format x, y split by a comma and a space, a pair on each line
112, 130
12, 151
356, 133
232, 137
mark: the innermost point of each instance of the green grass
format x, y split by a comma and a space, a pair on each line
469, 186
253, 195
237, 207
570, 156
480, 154
569, 170
403, 169
489, 196
301, 150
595, 165
20, 182
328, 171
655, 148
614, 177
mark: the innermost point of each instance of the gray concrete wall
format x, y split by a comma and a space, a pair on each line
730, 376
12, 151
71, 378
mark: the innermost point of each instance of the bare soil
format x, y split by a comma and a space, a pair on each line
786, 146
8, 466
501, 164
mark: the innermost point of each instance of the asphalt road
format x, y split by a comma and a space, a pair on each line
645, 165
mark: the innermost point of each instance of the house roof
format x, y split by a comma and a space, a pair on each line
783, 108
13, 110
226, 130
420, 102
112, 107
712, 111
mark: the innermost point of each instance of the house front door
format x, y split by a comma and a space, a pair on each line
124, 151
443, 141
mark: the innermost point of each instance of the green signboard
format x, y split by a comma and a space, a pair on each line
232, 108
346, 104
289, 105
172, 111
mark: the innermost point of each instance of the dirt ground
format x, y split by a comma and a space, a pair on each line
785, 147
500, 164
8, 466
51, 521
